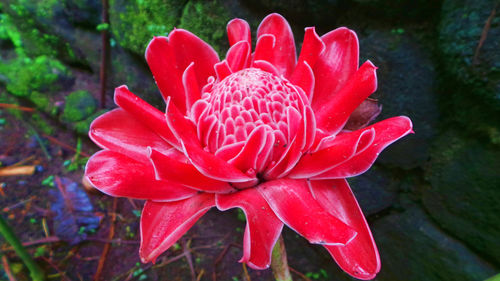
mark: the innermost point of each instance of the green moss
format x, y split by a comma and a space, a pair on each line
79, 105
134, 23
34, 79
26, 76
82, 127
207, 19
41, 125
29, 25
41, 101
8, 31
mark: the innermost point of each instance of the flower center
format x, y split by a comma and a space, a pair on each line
246, 103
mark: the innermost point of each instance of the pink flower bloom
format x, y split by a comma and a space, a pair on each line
259, 131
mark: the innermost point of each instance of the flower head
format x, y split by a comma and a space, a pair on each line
265, 132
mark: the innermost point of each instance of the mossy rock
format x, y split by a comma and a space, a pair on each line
465, 195
413, 248
134, 23
82, 127
406, 86
34, 78
401, 10
35, 27
471, 75
208, 20
79, 106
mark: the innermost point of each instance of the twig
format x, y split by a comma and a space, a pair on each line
484, 34
117, 240
202, 271
105, 251
17, 171
40, 142
18, 107
13, 206
67, 146
245, 272
133, 203
219, 258
299, 274
189, 258
50, 239
59, 271
104, 52
6, 269
25, 160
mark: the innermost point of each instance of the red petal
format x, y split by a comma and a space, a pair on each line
333, 114
161, 60
247, 157
263, 48
222, 70
118, 175
238, 56
189, 48
336, 65
238, 30
120, 132
162, 224
191, 87
302, 142
169, 169
360, 257
294, 204
283, 55
169, 57
145, 113
303, 77
266, 66
386, 132
263, 227
340, 149
208, 164
312, 47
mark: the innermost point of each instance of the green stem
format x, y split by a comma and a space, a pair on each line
5, 230
279, 262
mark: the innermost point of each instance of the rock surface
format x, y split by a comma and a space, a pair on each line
407, 81
469, 43
413, 248
465, 192
375, 190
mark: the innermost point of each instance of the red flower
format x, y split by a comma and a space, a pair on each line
259, 131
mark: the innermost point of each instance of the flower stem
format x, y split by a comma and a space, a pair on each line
5, 230
279, 262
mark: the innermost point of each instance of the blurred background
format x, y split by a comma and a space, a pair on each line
432, 199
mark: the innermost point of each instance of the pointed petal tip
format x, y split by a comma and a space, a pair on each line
119, 91
155, 40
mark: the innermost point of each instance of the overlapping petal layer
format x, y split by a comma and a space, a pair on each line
263, 227
359, 257
262, 131
163, 223
118, 175
292, 201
